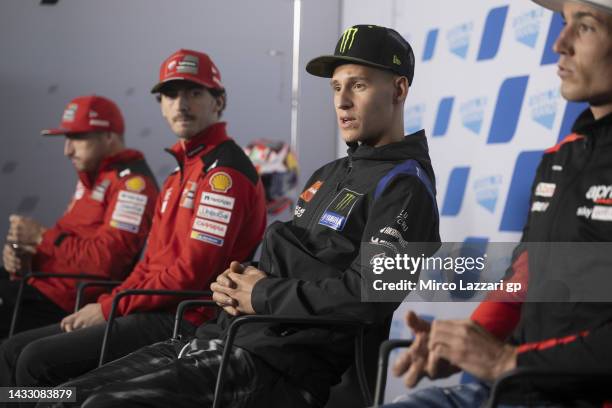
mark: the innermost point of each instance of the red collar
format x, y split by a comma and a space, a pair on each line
124, 156
200, 144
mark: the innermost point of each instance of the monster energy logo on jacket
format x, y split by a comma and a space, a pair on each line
338, 210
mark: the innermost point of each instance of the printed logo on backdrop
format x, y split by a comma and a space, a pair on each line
487, 191
527, 27
430, 44
443, 116
472, 113
492, 33
455, 190
543, 107
413, 118
507, 109
458, 39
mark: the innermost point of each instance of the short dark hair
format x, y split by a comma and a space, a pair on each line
216, 93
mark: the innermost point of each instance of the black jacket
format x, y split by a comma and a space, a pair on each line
571, 202
314, 263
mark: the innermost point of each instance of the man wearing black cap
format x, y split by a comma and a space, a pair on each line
381, 195
571, 202
210, 211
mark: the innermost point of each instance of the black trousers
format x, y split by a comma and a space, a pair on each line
183, 374
47, 356
36, 309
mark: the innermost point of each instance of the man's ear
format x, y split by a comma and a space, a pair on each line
220, 103
401, 87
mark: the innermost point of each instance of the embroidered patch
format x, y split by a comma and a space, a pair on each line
135, 184
221, 182
338, 211
188, 194
545, 189
311, 191
601, 213
214, 214
218, 200
209, 226
539, 206
165, 200
132, 197
99, 190
206, 238
124, 226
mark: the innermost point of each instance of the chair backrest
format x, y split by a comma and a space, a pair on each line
348, 392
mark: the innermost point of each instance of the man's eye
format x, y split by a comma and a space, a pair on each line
359, 86
196, 92
170, 94
585, 28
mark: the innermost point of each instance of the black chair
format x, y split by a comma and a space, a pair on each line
43, 275
523, 386
355, 387
143, 292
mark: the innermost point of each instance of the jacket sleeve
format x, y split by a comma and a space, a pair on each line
112, 250
500, 317
207, 247
587, 351
340, 293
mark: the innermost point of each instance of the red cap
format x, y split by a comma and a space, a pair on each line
188, 65
89, 114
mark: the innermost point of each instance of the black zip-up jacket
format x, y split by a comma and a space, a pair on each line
314, 263
571, 202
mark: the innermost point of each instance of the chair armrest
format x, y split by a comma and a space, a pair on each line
184, 305
141, 292
42, 275
84, 285
529, 385
312, 321
385, 349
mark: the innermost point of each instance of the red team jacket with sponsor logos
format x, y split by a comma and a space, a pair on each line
211, 211
571, 202
103, 230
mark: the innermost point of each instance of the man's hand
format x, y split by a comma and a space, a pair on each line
24, 230
470, 347
416, 362
233, 288
88, 316
17, 259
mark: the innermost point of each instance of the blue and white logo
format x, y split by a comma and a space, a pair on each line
487, 191
527, 27
543, 107
472, 113
459, 39
413, 118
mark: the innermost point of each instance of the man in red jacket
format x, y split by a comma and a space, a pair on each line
211, 210
101, 233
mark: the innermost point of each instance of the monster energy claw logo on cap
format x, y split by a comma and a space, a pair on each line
348, 37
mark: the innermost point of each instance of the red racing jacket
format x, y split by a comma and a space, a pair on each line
211, 211
102, 232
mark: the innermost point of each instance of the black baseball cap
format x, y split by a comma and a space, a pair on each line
371, 45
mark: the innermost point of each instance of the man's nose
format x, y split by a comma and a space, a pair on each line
68, 148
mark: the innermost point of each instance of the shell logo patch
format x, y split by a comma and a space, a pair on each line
135, 184
221, 182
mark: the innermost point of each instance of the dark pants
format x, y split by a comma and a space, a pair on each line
48, 357
156, 376
36, 309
